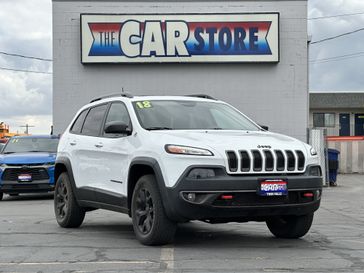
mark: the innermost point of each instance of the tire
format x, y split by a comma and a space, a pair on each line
1, 196
68, 213
150, 223
290, 227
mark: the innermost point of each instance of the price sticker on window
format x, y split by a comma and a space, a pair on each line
144, 104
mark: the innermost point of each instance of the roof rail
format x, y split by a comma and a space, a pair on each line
203, 96
126, 95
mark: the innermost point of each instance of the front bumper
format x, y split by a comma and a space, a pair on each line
26, 187
43, 179
245, 204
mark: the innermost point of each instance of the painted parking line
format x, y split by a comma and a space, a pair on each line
76, 262
167, 259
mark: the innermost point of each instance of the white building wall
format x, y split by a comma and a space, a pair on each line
272, 94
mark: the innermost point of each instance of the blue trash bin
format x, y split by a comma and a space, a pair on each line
333, 165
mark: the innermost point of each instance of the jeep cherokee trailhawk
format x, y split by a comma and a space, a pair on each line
170, 159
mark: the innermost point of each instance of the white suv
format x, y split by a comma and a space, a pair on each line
170, 159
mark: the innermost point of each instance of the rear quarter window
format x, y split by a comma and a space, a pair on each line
77, 125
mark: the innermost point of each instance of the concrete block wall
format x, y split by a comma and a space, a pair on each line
272, 94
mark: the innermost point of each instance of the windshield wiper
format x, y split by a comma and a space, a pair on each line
157, 128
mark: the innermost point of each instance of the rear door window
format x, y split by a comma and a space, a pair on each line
93, 121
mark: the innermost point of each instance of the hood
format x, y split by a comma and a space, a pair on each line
27, 158
230, 140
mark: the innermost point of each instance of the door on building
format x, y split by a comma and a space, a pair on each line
359, 124
344, 125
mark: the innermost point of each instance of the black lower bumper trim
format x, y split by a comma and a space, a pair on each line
22, 187
245, 203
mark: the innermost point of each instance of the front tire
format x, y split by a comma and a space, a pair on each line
150, 223
291, 227
68, 213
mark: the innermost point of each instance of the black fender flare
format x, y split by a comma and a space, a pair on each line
67, 163
166, 198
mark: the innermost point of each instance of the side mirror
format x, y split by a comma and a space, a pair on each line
264, 127
117, 128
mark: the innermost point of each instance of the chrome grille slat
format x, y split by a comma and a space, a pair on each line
300, 160
257, 161
245, 161
232, 161
265, 161
291, 160
269, 160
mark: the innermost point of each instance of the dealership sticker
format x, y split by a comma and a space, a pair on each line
180, 38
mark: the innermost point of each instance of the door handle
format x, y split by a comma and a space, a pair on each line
73, 143
100, 145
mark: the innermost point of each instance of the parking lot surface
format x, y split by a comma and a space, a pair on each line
31, 241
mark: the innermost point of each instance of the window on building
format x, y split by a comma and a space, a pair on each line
323, 119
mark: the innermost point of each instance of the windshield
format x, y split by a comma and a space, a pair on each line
30, 144
178, 115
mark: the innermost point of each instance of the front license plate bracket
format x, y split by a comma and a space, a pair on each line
273, 187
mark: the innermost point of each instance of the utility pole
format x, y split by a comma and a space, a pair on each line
27, 126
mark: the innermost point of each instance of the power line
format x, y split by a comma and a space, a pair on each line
338, 57
25, 71
337, 36
334, 16
25, 56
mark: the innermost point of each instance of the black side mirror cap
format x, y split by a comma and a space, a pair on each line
117, 128
266, 128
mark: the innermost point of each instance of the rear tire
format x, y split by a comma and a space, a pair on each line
68, 213
150, 223
291, 227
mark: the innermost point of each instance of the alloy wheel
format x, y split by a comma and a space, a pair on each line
61, 200
144, 211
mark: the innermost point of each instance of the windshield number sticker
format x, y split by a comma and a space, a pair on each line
144, 104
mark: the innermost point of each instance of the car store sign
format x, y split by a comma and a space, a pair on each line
180, 38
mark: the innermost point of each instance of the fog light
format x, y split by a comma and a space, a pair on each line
201, 173
315, 171
191, 197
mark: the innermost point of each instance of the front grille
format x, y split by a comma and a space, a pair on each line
36, 173
22, 165
265, 161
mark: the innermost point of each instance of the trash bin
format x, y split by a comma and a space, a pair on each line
333, 165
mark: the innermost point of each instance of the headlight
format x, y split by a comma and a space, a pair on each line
186, 150
313, 151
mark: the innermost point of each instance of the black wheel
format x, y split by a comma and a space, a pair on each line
14, 194
1, 196
68, 213
150, 223
290, 227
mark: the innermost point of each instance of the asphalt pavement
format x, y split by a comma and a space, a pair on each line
31, 241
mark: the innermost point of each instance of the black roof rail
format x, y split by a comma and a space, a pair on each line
126, 95
203, 96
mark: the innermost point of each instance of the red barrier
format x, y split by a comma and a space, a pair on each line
345, 138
